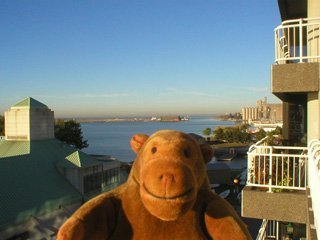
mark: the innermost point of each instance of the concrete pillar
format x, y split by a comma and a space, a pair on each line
313, 8
247, 114
313, 116
256, 113
243, 114
313, 41
250, 113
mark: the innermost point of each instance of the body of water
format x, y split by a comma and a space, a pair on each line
113, 138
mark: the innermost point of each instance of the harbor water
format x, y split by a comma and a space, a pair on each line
113, 138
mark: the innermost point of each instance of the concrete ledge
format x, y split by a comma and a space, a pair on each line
311, 230
295, 77
285, 206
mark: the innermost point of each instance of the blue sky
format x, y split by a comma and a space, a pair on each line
104, 58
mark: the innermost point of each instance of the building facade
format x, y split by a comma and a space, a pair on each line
42, 180
283, 182
266, 112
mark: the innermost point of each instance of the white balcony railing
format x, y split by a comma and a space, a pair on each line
297, 41
277, 168
269, 230
285, 168
314, 181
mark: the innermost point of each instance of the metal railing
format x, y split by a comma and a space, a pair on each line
269, 230
314, 181
276, 168
297, 41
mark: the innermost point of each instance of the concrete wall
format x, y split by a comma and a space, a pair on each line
293, 78
250, 113
41, 124
29, 124
275, 112
76, 175
313, 116
17, 124
283, 206
313, 42
313, 8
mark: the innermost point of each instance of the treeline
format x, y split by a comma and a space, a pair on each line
236, 116
1, 125
232, 134
70, 132
239, 134
275, 137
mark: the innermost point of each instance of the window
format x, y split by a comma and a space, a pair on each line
92, 182
111, 176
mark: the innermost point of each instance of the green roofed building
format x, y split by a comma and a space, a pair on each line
42, 180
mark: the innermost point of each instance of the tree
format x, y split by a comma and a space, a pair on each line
276, 131
228, 135
275, 137
237, 116
207, 132
70, 132
218, 133
245, 137
1, 126
261, 134
236, 134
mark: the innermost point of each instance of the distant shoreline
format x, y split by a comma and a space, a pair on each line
94, 120
138, 119
227, 119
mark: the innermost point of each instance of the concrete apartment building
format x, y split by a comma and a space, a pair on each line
283, 182
265, 112
42, 180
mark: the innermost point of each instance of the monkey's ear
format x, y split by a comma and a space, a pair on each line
207, 152
137, 141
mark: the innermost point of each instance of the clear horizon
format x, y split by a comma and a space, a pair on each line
137, 58
145, 116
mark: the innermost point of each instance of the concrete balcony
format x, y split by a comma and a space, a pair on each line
283, 185
279, 206
297, 57
276, 183
289, 79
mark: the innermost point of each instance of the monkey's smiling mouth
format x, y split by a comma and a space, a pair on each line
168, 198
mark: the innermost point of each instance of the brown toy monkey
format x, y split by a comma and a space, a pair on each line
167, 196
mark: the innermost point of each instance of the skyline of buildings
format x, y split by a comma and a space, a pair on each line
265, 112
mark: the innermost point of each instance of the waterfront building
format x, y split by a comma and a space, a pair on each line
170, 118
42, 180
266, 112
283, 182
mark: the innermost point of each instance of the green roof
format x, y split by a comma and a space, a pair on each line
77, 160
30, 184
14, 148
29, 103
